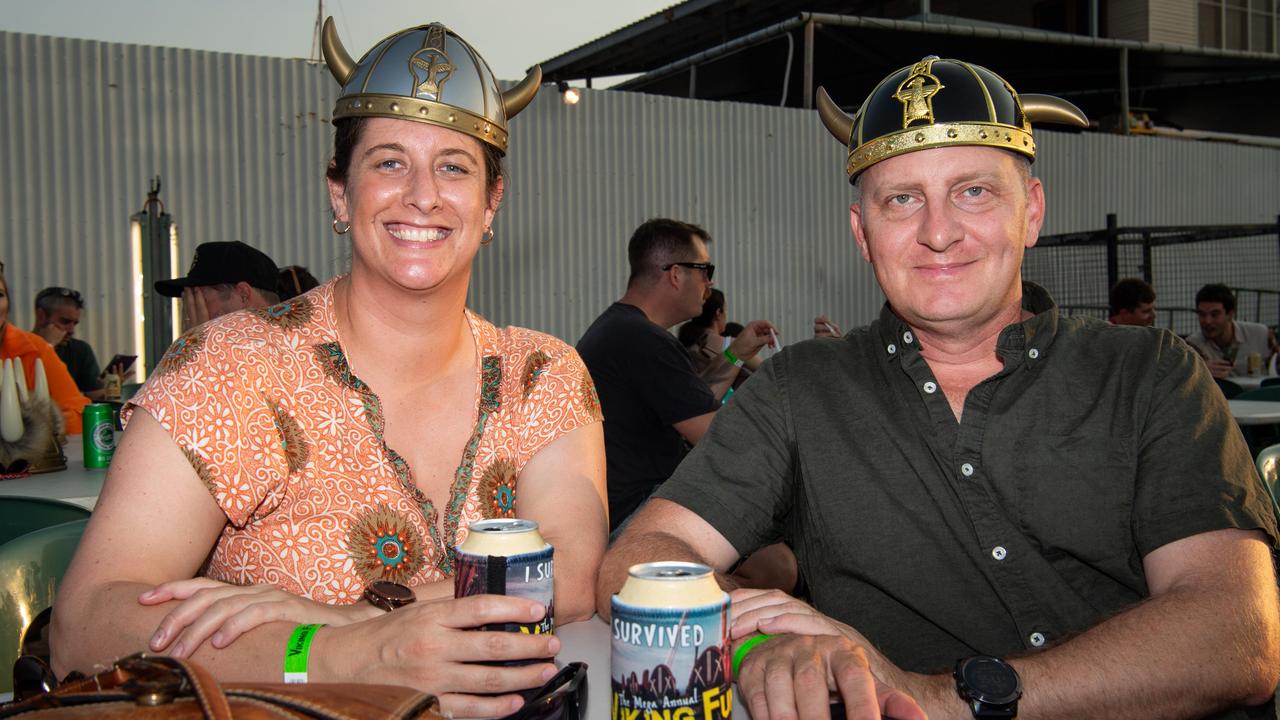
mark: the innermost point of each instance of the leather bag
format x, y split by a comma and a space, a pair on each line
153, 686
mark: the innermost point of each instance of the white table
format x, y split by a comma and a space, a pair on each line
589, 642
1255, 412
1249, 382
77, 484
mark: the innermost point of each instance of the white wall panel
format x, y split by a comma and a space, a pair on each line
241, 143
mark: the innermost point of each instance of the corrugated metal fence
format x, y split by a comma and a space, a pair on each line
241, 143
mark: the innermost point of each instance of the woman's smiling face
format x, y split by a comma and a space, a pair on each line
416, 200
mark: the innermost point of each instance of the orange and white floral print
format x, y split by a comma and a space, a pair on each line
289, 442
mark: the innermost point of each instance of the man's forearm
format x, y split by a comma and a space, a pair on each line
1184, 654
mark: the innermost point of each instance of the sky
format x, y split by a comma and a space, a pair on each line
510, 34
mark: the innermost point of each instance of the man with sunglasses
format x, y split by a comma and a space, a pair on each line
653, 400
58, 311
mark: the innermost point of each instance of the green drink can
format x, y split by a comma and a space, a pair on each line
99, 435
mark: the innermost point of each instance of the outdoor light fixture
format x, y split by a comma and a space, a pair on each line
569, 95
153, 255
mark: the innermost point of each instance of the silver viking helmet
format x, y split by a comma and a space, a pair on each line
428, 74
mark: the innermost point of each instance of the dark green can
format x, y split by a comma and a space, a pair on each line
99, 435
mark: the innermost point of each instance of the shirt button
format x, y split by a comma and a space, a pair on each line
1033, 353
1037, 640
998, 552
892, 348
930, 387
966, 470
907, 337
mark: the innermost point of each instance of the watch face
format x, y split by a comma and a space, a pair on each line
990, 680
393, 593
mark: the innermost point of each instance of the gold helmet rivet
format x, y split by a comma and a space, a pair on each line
919, 137
487, 129
395, 107
453, 118
982, 134
422, 111
355, 104
952, 133
475, 126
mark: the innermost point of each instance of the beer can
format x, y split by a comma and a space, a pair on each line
508, 557
111, 387
670, 654
1255, 364
99, 435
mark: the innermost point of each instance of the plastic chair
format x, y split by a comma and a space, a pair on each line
32, 566
20, 515
1268, 394
1228, 388
1268, 462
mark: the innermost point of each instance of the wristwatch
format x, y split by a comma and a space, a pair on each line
989, 686
388, 595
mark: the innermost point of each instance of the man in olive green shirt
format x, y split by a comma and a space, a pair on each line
975, 478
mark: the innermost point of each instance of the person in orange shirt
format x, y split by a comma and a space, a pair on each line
18, 343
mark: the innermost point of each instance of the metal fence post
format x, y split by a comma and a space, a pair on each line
1113, 251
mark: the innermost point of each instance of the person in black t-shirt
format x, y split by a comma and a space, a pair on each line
654, 403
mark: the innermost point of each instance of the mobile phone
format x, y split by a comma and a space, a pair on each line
126, 361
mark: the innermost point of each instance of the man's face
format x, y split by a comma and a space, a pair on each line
695, 288
1143, 314
945, 230
64, 316
1215, 321
222, 301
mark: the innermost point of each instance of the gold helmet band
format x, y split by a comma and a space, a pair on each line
939, 103
426, 74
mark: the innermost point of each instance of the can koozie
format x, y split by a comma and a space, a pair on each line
527, 575
671, 663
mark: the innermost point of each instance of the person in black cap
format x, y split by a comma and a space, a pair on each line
224, 277
985, 496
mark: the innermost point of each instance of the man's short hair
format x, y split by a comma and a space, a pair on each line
1129, 293
51, 298
1219, 293
659, 242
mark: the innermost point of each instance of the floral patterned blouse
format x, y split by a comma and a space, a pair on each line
289, 442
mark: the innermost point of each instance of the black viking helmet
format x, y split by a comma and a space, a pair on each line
936, 103
426, 74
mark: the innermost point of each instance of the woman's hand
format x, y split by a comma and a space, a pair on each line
219, 613
433, 646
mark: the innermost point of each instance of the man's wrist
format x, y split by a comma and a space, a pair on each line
936, 694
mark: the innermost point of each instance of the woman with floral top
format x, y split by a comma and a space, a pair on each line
281, 461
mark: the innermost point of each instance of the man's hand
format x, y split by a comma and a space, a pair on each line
1221, 368
194, 310
753, 337
823, 327
798, 676
52, 334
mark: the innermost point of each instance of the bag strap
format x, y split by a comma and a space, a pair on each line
150, 680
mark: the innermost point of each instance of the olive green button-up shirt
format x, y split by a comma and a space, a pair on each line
1006, 532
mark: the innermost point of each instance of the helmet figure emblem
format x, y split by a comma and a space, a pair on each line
916, 93
430, 65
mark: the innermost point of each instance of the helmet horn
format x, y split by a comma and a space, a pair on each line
518, 97
838, 122
335, 56
1047, 108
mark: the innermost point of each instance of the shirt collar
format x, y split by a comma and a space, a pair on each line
1029, 339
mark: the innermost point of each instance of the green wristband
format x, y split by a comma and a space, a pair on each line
733, 359
296, 651
741, 653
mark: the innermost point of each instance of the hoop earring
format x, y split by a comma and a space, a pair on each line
346, 227
487, 237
